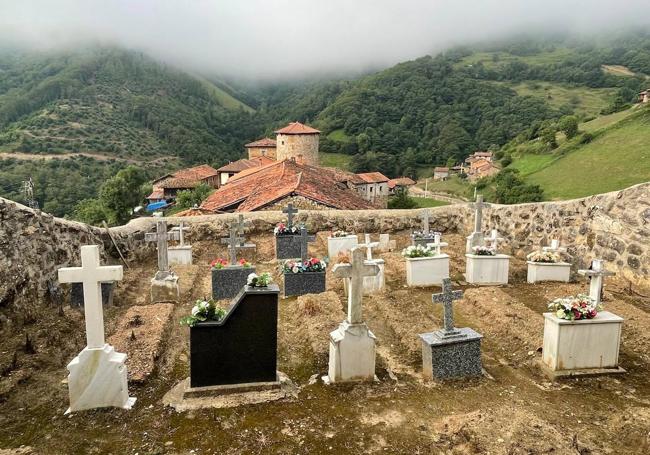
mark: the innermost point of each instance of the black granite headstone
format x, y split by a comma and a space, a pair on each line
242, 347
228, 281
304, 283
77, 295
287, 246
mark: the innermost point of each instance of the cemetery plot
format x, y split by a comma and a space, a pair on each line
515, 410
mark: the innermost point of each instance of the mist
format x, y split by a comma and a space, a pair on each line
280, 39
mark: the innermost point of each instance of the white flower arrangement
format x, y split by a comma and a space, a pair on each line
259, 281
283, 229
424, 235
575, 308
547, 257
340, 233
418, 251
484, 251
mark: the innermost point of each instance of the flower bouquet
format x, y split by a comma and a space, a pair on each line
418, 251
259, 281
283, 229
218, 264
575, 308
424, 235
484, 251
311, 265
203, 310
546, 257
339, 233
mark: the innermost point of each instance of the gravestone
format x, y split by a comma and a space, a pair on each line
493, 240
98, 376
476, 238
305, 282
164, 285
555, 247
386, 244
241, 349
437, 244
450, 352
352, 345
290, 211
427, 234
288, 246
372, 284
229, 280
180, 254
241, 231
428, 270
596, 275
77, 294
549, 271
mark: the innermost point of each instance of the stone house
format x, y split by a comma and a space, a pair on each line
225, 173
299, 142
374, 186
481, 168
487, 156
399, 182
167, 186
262, 147
440, 173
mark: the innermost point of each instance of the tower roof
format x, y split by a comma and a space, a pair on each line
297, 128
265, 142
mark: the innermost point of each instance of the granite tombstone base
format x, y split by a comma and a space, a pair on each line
304, 283
77, 294
449, 357
287, 246
181, 255
228, 281
242, 347
165, 288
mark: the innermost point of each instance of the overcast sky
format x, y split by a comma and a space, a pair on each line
289, 38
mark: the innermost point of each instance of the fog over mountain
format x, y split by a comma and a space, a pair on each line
263, 39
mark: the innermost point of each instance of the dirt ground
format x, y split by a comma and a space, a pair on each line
513, 409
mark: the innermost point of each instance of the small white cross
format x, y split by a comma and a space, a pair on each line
494, 239
437, 244
91, 275
368, 245
597, 276
355, 272
555, 247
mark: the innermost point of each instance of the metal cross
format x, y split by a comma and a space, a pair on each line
290, 210
447, 298
368, 245
161, 236
596, 276
91, 275
355, 272
304, 240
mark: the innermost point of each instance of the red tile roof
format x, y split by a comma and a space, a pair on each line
440, 169
195, 173
178, 183
241, 165
271, 183
373, 177
195, 211
400, 181
157, 193
345, 176
297, 128
265, 142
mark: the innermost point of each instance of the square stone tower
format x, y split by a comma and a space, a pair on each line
299, 142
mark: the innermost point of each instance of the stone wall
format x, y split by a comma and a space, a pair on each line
298, 146
613, 226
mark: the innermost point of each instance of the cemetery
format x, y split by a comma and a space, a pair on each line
508, 366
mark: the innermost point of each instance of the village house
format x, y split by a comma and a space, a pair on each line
263, 147
167, 186
440, 173
226, 172
272, 186
374, 186
488, 156
399, 183
644, 96
481, 168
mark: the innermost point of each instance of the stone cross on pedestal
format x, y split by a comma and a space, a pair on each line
476, 237
304, 240
437, 244
234, 243
91, 275
355, 272
368, 245
494, 239
596, 275
425, 222
555, 247
290, 211
161, 236
447, 298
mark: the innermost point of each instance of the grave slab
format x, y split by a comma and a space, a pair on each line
304, 283
448, 358
487, 270
352, 353
181, 255
582, 347
335, 245
544, 271
427, 271
165, 288
228, 281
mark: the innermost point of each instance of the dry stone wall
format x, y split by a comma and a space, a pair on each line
613, 226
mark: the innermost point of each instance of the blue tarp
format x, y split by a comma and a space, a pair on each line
156, 206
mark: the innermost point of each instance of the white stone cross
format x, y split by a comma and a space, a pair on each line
304, 240
181, 228
161, 236
555, 247
596, 275
368, 245
425, 222
290, 210
478, 212
91, 274
437, 244
355, 272
494, 239
447, 298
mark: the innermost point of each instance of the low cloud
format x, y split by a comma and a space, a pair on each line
264, 39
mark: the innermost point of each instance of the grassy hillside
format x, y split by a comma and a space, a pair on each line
617, 157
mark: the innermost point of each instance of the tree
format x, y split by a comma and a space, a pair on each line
401, 200
511, 189
189, 198
121, 193
569, 126
91, 211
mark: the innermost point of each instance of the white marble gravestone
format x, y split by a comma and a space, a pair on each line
372, 284
488, 270
352, 345
97, 376
180, 254
549, 271
428, 271
336, 245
